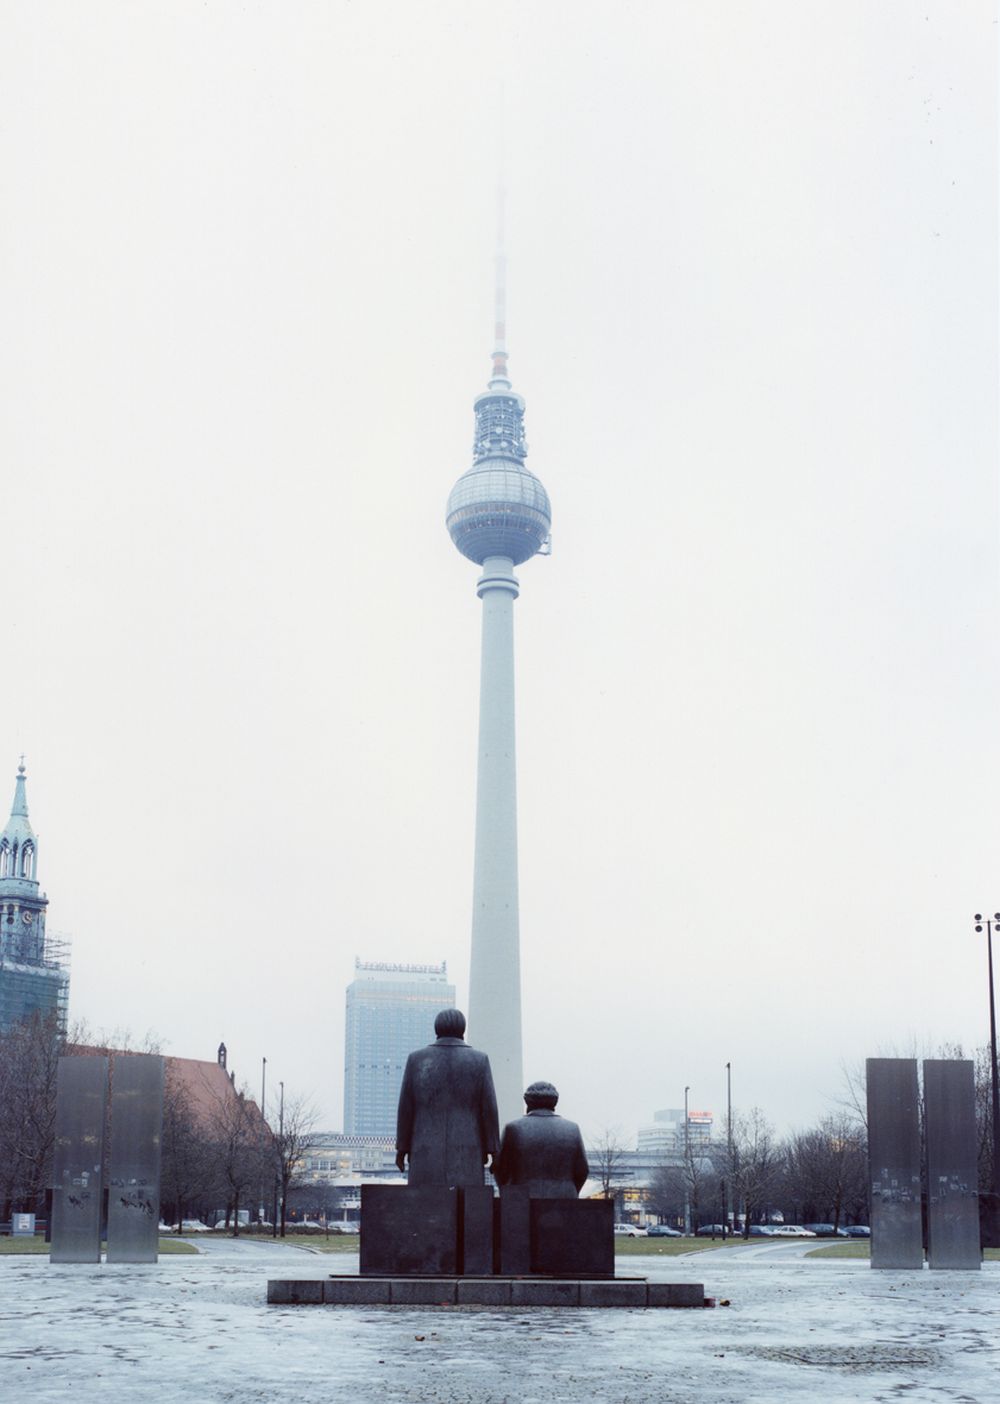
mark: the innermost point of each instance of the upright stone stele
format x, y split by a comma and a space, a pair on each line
134, 1172
894, 1163
952, 1170
81, 1102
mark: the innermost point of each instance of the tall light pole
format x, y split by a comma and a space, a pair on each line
731, 1217
260, 1138
687, 1165
281, 1143
994, 1218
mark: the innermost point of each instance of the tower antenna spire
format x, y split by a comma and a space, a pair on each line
500, 380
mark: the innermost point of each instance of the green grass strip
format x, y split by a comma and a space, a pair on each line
37, 1247
861, 1248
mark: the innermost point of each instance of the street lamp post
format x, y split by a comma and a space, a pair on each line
687, 1165
262, 1211
994, 1218
730, 1205
281, 1143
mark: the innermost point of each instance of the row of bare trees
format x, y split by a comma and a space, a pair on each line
817, 1175
217, 1151
29, 1056
228, 1158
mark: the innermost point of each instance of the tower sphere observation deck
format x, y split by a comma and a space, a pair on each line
498, 507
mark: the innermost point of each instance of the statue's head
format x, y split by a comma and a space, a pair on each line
541, 1096
450, 1023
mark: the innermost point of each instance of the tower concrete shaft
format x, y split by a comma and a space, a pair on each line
498, 516
495, 969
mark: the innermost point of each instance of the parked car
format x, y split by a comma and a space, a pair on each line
191, 1226
630, 1231
710, 1231
663, 1231
826, 1231
342, 1226
791, 1231
858, 1231
761, 1230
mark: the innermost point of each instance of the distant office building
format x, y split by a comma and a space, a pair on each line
390, 1012
334, 1156
666, 1136
34, 977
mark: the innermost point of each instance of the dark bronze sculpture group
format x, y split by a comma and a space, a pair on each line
447, 1220
447, 1129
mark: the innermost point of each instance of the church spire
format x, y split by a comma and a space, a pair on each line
18, 845
19, 809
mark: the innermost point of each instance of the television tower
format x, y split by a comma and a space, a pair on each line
499, 517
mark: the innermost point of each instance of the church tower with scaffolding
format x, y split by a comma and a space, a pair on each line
33, 973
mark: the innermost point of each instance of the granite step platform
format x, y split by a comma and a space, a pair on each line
482, 1291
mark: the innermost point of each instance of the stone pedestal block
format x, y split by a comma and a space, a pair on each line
572, 1237
555, 1237
522, 1293
351, 1291
514, 1236
613, 1294
409, 1229
284, 1292
477, 1291
476, 1238
547, 1293
419, 1292
675, 1294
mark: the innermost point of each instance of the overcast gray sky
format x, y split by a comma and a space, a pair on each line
246, 298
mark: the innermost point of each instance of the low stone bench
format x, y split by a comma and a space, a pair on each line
492, 1291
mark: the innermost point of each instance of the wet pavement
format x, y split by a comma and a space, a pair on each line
197, 1330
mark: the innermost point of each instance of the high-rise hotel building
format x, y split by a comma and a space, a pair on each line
390, 1013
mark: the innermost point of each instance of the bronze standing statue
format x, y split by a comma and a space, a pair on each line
447, 1127
542, 1150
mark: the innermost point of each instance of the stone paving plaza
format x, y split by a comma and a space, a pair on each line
196, 1329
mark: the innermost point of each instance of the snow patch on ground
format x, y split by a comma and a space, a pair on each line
197, 1330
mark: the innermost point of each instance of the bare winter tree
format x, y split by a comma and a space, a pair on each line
984, 1117
608, 1160
758, 1162
294, 1140
702, 1184
188, 1167
241, 1157
666, 1191
826, 1171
